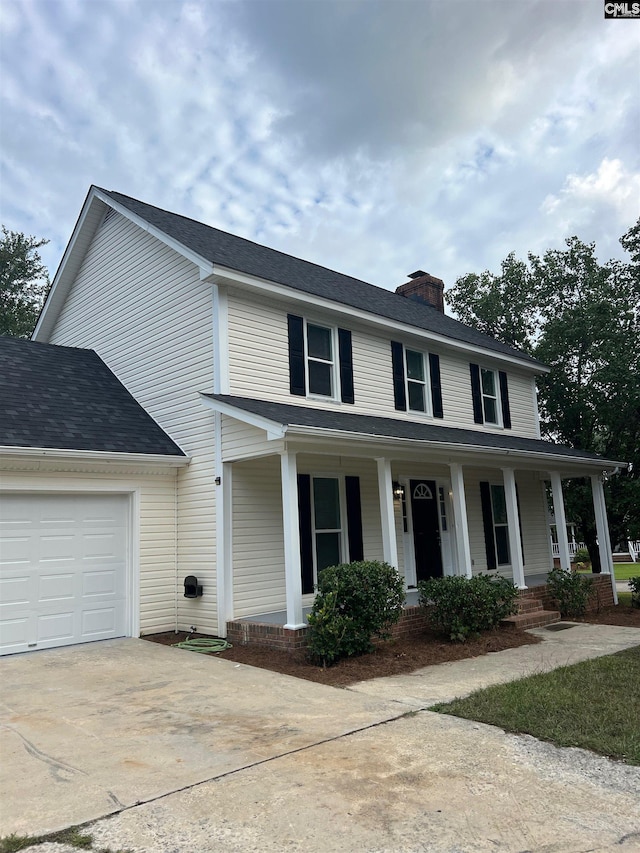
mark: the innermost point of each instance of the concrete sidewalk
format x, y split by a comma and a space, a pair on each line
562, 645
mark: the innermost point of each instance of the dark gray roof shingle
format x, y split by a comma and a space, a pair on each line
242, 255
67, 399
282, 413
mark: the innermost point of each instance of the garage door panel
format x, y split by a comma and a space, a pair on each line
56, 587
63, 561
14, 633
100, 623
14, 591
15, 549
103, 582
56, 628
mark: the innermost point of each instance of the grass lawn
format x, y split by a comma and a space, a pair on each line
594, 705
624, 571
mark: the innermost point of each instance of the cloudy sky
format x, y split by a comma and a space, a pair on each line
375, 137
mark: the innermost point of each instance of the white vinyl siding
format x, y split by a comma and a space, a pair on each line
535, 532
258, 551
154, 552
242, 441
258, 544
144, 310
259, 366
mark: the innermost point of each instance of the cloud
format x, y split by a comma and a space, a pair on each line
370, 136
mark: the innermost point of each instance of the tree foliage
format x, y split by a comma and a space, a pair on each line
24, 282
582, 319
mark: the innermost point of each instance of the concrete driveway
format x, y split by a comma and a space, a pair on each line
179, 753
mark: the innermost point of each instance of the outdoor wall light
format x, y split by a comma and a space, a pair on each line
398, 491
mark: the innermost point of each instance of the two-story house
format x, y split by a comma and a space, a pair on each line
322, 419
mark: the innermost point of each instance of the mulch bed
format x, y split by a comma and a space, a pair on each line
395, 656
390, 658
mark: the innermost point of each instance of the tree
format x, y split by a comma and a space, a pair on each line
582, 319
24, 282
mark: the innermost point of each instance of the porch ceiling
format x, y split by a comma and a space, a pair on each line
396, 437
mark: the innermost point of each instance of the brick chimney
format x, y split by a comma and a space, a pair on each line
424, 288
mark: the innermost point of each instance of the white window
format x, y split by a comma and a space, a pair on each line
500, 526
320, 360
416, 381
327, 515
489, 386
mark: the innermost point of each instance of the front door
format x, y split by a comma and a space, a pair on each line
426, 529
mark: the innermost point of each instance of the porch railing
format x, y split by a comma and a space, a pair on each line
632, 547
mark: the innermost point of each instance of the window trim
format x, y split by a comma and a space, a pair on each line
334, 363
497, 397
432, 382
496, 524
502, 403
342, 508
426, 382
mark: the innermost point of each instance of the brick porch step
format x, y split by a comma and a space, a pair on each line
531, 619
529, 605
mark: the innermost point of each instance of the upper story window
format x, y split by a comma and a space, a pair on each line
320, 360
490, 396
416, 380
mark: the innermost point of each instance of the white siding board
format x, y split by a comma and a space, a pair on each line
259, 367
535, 533
143, 308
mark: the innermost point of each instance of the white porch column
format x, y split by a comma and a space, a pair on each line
224, 521
513, 523
461, 524
602, 528
561, 521
387, 516
291, 529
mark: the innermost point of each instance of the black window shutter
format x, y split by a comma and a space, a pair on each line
487, 523
504, 399
306, 532
476, 394
397, 364
354, 518
436, 385
296, 355
346, 366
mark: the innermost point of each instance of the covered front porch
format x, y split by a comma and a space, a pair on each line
302, 489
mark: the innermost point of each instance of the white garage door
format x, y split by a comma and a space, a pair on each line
63, 569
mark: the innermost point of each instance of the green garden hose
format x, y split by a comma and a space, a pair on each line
204, 645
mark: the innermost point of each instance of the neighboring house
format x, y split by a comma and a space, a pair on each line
322, 419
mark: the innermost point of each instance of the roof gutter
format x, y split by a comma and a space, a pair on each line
317, 432
106, 457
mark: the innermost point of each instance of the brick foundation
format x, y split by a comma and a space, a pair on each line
268, 635
601, 595
413, 620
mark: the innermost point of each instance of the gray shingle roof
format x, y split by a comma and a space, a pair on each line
242, 255
67, 399
286, 415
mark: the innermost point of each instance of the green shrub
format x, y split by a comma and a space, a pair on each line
634, 583
571, 591
464, 607
355, 602
581, 556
